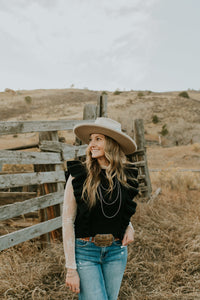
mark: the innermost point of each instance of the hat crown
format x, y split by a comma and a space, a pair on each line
108, 123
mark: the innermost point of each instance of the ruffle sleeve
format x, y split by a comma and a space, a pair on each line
132, 173
77, 170
131, 191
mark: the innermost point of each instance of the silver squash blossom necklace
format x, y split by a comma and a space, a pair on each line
103, 201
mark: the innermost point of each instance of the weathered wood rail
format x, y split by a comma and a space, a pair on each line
48, 177
58, 153
28, 233
36, 126
64, 152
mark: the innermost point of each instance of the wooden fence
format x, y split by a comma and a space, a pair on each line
48, 177
54, 155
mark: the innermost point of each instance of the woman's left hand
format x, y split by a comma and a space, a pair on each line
128, 236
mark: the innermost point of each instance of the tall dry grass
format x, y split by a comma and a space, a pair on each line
177, 180
163, 262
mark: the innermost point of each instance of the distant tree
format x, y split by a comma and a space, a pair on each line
184, 94
117, 92
140, 94
155, 119
104, 93
28, 99
164, 130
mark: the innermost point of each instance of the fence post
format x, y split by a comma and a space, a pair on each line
89, 113
141, 145
56, 210
102, 106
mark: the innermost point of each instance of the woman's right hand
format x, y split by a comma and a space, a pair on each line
73, 280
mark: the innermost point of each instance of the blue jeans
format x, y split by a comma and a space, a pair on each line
100, 269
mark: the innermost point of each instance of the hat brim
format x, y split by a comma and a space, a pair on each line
83, 132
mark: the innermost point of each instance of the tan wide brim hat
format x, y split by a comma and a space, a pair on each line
109, 128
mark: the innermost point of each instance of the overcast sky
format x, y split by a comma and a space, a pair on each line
100, 44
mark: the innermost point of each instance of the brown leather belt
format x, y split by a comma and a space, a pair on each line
101, 240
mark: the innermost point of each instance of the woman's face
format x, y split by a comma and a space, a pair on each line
97, 146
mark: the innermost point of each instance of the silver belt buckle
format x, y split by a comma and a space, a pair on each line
103, 240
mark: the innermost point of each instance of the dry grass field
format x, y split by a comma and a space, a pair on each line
164, 260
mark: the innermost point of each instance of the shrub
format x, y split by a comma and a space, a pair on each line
104, 93
117, 92
28, 99
140, 94
155, 119
164, 130
184, 94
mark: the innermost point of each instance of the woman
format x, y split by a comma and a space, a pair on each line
97, 210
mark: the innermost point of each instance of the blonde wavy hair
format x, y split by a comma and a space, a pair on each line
116, 159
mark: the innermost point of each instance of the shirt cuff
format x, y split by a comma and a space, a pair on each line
131, 226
